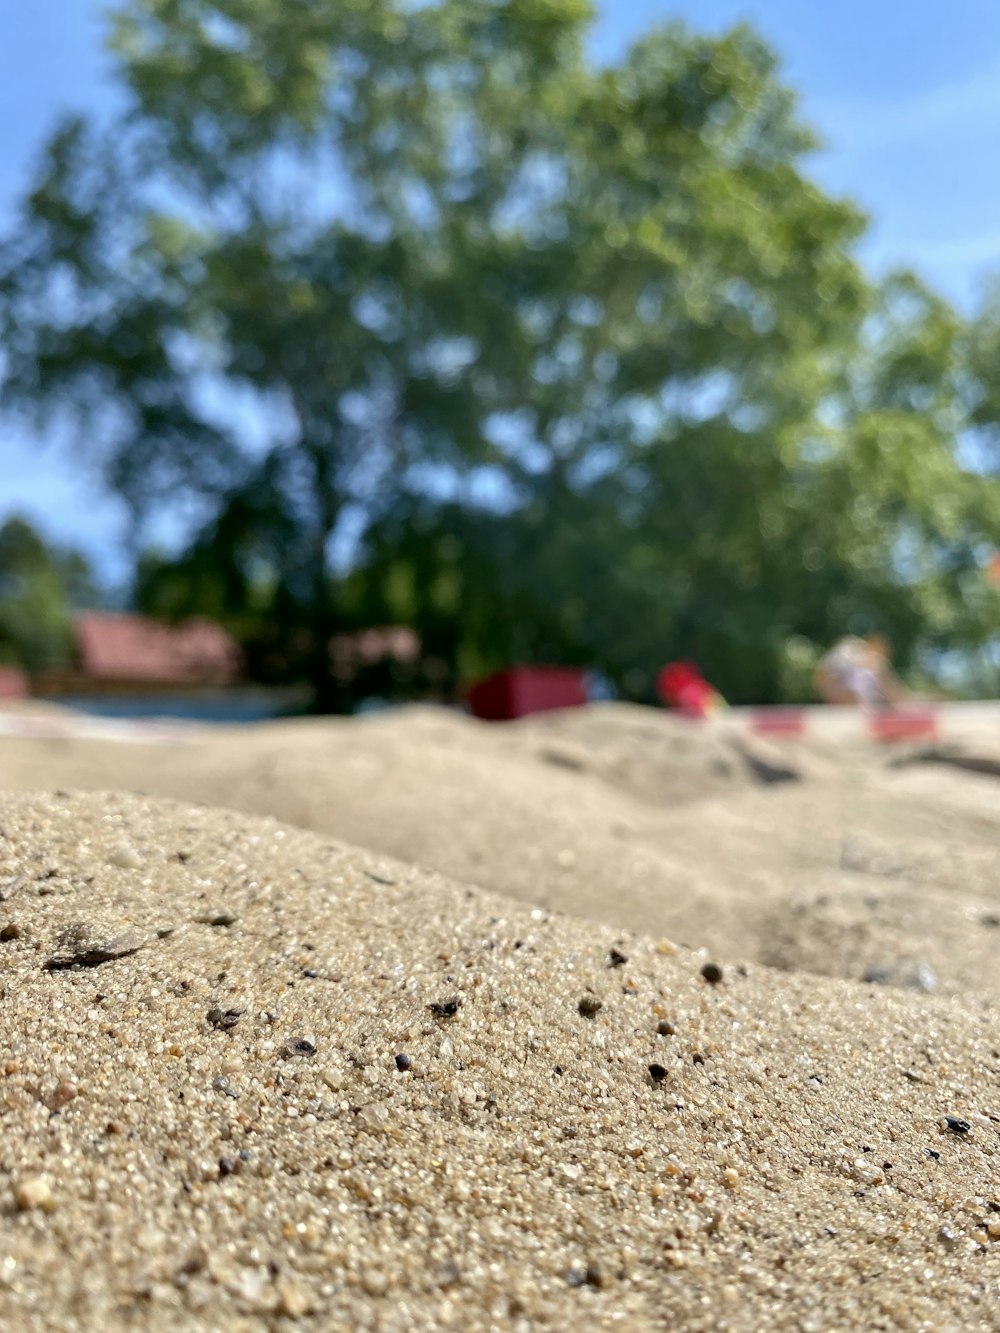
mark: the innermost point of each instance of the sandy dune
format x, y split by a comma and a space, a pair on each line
864, 865
251, 1075
206, 1123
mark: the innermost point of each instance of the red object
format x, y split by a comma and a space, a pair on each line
911, 724
681, 685
134, 648
13, 683
779, 722
526, 689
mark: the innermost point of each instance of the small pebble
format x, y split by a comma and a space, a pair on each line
220, 919
305, 1046
294, 1299
224, 1019
125, 856
590, 1006
227, 1167
595, 1276
657, 1073
34, 1192
712, 973
403, 1062
63, 1093
665, 1028
445, 1008
448, 1274
83, 945
616, 958
956, 1125
11, 931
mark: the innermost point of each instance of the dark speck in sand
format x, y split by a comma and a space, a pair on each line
712, 973
616, 958
445, 1008
403, 1062
300, 1046
590, 1006
956, 1125
224, 1019
657, 1073
217, 919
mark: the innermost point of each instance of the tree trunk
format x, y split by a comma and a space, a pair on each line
329, 695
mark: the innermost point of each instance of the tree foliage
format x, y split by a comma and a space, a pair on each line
438, 320
40, 587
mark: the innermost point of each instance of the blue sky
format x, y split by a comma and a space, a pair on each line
905, 95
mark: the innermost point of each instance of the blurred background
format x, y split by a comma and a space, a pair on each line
354, 350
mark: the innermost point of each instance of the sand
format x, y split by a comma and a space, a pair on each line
865, 865
203, 1121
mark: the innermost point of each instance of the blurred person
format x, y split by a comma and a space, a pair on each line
857, 671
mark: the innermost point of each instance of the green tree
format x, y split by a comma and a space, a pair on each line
40, 587
424, 273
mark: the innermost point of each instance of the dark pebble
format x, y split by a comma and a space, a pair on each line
576, 1277
11, 931
300, 1046
712, 973
448, 1274
227, 1167
665, 1028
403, 1062
590, 1006
224, 1020
616, 958
445, 1008
957, 1126
657, 1073
309, 972
595, 1276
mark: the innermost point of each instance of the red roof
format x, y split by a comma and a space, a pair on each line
127, 647
13, 683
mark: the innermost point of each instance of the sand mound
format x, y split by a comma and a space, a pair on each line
857, 866
252, 1076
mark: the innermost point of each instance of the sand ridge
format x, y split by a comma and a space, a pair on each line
208, 1114
862, 865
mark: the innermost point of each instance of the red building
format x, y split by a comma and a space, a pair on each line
114, 652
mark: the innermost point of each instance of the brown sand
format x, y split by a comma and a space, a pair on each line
787, 1163
863, 867
780, 1173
